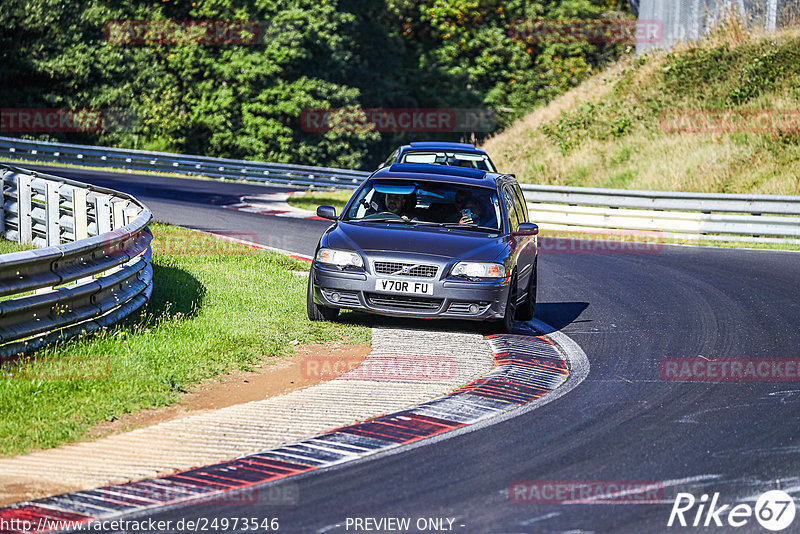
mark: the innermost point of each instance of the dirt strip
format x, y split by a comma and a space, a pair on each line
404, 368
272, 379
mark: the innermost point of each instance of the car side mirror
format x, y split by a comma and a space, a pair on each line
527, 228
327, 212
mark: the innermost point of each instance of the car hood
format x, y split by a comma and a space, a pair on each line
436, 241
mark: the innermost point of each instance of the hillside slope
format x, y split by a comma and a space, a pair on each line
627, 126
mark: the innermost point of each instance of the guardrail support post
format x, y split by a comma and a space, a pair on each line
24, 206
52, 207
79, 217
102, 212
2, 204
118, 213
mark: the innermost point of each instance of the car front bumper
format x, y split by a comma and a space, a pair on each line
451, 299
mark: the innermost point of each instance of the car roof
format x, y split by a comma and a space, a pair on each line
441, 145
440, 173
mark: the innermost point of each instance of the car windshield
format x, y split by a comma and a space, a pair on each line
427, 203
458, 159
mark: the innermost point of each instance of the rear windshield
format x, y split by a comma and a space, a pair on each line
458, 159
426, 202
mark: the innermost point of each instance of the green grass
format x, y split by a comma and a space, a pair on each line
217, 307
609, 132
310, 200
11, 246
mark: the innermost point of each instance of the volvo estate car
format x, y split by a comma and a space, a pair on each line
428, 241
441, 153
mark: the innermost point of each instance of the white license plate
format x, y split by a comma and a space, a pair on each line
404, 286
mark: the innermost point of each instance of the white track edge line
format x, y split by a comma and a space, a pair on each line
579, 369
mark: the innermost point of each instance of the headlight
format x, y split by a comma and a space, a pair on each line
478, 270
340, 258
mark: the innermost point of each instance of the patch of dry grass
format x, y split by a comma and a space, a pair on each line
608, 131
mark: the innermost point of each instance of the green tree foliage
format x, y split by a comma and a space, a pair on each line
246, 100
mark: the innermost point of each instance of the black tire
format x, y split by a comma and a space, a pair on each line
315, 311
507, 324
528, 308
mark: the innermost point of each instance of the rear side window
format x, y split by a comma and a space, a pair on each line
391, 159
511, 208
522, 206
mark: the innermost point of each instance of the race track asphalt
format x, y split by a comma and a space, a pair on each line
628, 311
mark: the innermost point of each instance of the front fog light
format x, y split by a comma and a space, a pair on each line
340, 258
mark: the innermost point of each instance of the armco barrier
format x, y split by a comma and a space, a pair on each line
673, 215
691, 216
91, 267
232, 169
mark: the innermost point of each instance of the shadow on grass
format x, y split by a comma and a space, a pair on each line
176, 295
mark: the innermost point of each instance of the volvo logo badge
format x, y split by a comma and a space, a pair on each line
405, 269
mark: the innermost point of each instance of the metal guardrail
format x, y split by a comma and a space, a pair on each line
92, 267
692, 216
231, 169
670, 215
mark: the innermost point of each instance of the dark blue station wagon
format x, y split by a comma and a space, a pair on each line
432, 241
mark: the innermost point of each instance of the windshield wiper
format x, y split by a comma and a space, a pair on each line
384, 219
469, 227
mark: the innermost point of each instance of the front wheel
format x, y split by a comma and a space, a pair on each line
528, 308
507, 324
315, 311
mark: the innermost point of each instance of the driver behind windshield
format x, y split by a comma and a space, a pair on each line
402, 205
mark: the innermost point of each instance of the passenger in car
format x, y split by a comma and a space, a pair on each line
475, 209
465, 200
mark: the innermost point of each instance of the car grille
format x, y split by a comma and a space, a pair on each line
396, 268
403, 303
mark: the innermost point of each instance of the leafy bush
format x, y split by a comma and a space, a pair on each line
245, 101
